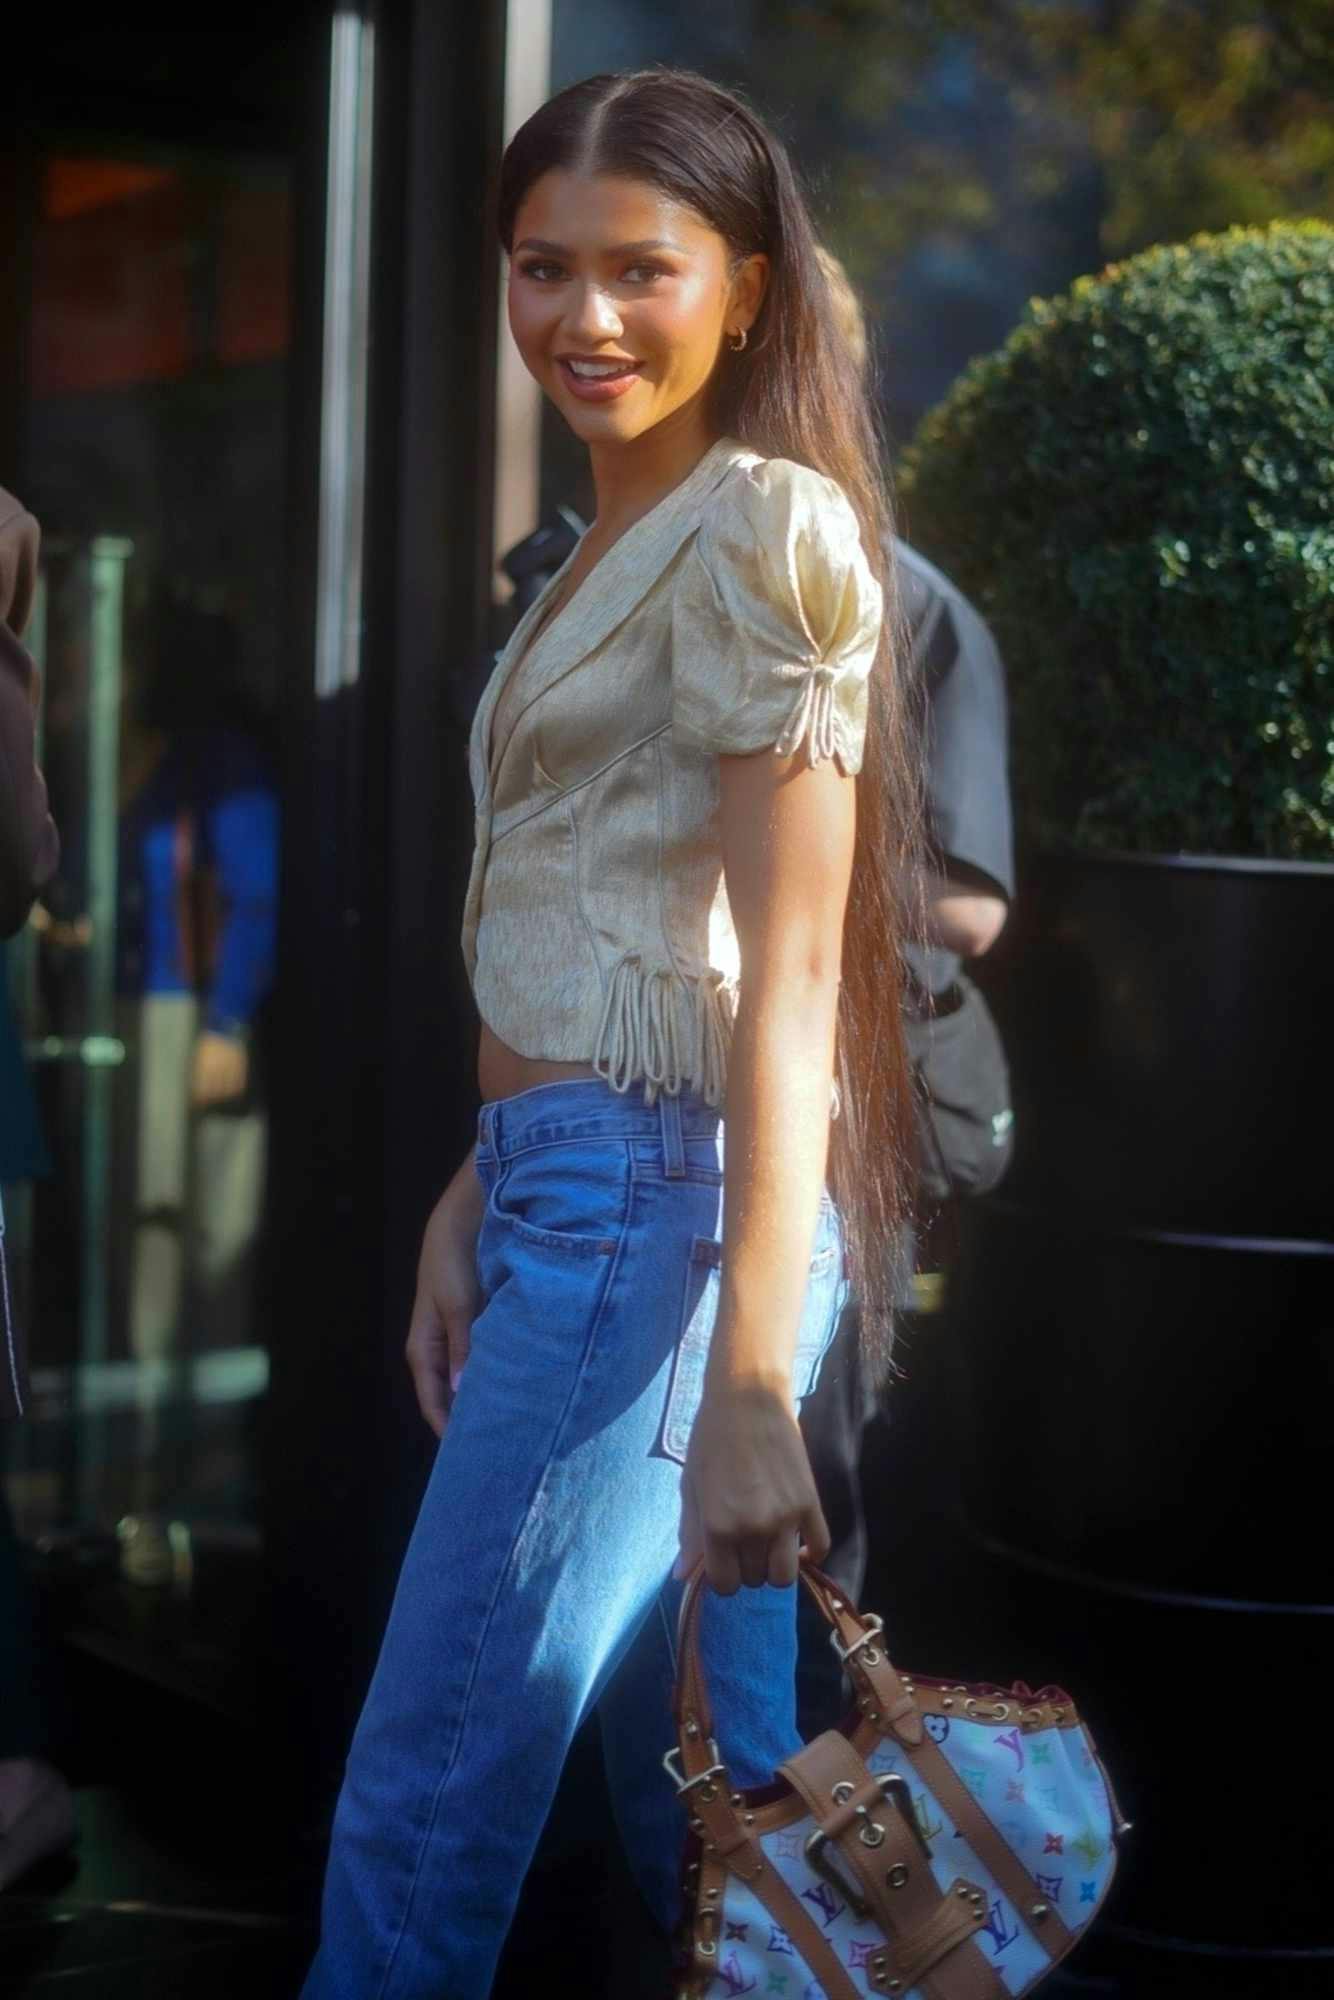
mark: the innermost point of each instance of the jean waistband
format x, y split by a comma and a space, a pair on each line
588, 1108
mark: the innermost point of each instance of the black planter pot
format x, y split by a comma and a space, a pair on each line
1145, 1316
1169, 1026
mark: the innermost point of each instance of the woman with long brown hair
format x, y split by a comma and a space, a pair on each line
692, 787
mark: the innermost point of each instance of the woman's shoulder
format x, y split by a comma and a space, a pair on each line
771, 493
783, 527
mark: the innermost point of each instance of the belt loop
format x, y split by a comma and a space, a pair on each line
486, 1128
673, 1152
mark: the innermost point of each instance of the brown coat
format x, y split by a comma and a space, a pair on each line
29, 846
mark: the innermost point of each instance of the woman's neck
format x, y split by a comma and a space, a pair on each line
630, 479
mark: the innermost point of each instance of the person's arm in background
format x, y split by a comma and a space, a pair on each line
966, 889
963, 915
241, 825
29, 846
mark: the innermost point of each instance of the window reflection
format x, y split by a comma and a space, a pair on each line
140, 993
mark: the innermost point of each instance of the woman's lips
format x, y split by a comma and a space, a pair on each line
601, 388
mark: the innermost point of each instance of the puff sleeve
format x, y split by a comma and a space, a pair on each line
775, 620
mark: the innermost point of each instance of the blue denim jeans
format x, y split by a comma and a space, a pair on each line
537, 1583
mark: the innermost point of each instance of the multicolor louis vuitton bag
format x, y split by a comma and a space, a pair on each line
947, 1843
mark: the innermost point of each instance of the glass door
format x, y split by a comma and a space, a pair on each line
142, 988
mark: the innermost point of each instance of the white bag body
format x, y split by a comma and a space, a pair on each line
948, 1843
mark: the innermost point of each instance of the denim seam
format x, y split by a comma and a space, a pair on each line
669, 1630
502, 1579
542, 1144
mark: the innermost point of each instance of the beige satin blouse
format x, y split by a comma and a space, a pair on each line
738, 615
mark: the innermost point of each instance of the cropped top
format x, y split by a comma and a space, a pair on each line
739, 614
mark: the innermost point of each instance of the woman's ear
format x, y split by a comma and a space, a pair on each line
750, 281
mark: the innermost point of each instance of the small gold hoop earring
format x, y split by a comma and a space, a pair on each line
737, 341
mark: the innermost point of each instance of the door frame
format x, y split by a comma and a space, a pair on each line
374, 1100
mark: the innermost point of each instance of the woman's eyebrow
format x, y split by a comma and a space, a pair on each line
619, 250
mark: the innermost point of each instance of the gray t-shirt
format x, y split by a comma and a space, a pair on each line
968, 821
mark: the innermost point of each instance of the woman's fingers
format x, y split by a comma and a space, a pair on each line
754, 1558
748, 1561
447, 1302
722, 1564
692, 1537
814, 1534
784, 1558
752, 1499
430, 1362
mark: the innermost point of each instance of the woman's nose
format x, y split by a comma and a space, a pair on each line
593, 315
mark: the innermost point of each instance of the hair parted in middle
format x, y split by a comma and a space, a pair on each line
796, 391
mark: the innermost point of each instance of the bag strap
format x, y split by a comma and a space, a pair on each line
727, 1847
884, 1863
1044, 1923
881, 1694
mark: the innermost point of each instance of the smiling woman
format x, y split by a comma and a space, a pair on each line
689, 762
619, 295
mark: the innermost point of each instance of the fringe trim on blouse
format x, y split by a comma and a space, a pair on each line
814, 718
640, 1035
642, 1032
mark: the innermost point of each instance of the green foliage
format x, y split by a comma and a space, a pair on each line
1188, 114
1200, 113
1137, 490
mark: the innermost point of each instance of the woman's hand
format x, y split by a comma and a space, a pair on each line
748, 1501
448, 1296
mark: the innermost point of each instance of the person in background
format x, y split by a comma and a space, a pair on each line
196, 922
36, 1807
29, 845
195, 946
962, 900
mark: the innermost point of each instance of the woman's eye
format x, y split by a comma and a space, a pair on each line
639, 274
541, 270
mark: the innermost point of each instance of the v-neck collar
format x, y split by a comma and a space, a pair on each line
607, 595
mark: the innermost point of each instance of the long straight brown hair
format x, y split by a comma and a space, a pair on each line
795, 392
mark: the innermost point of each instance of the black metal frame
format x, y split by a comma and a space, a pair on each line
375, 1102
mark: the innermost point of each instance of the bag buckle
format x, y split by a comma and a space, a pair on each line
671, 1764
898, 1794
895, 1792
874, 1627
828, 1870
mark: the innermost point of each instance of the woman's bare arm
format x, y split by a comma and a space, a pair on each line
787, 833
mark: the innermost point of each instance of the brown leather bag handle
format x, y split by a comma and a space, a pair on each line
882, 1694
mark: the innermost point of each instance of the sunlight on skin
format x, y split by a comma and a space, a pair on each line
609, 270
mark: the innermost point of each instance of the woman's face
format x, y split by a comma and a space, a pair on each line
619, 300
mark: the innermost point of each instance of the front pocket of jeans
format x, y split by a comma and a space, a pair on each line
552, 1184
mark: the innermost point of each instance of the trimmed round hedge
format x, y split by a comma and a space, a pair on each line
1137, 490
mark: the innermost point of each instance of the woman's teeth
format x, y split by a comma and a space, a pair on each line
599, 381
